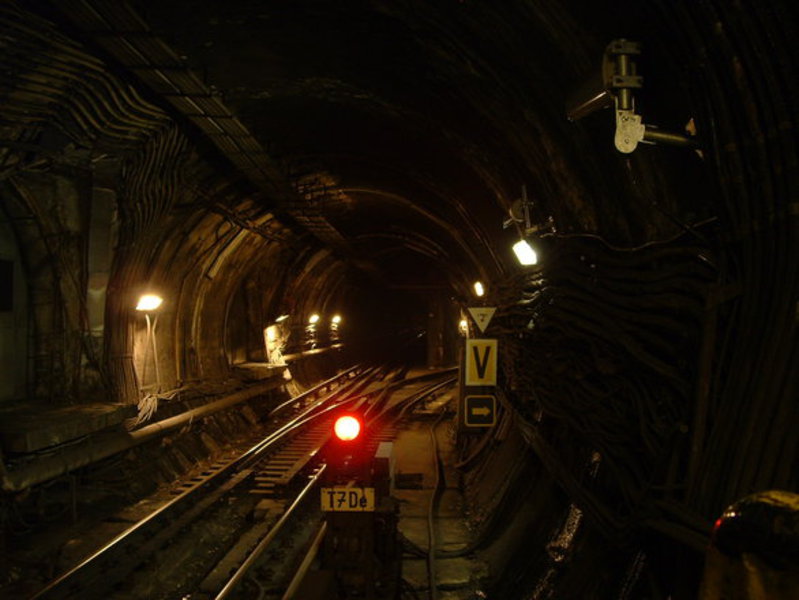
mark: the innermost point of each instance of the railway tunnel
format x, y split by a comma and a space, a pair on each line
308, 186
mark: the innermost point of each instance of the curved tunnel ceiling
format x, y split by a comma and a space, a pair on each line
277, 157
400, 135
339, 108
409, 122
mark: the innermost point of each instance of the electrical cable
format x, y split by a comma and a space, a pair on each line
431, 508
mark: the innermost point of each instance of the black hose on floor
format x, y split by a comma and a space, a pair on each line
434, 498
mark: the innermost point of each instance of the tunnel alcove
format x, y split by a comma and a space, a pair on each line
255, 160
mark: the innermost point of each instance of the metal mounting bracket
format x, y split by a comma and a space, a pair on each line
629, 130
614, 85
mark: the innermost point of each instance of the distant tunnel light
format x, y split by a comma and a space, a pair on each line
525, 253
314, 319
463, 327
479, 290
347, 428
149, 302
336, 319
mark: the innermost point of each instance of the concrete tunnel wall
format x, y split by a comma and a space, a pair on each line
659, 328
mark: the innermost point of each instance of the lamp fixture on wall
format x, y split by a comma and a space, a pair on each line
525, 253
150, 303
521, 217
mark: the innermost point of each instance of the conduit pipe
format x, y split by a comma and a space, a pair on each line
103, 445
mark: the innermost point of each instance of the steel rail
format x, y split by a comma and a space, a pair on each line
414, 398
311, 413
240, 468
264, 543
296, 579
357, 369
236, 465
305, 565
299, 574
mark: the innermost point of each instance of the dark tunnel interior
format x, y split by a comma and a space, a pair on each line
255, 163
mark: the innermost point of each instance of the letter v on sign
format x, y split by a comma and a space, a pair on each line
481, 362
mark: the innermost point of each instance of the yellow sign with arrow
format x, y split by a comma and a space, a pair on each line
480, 411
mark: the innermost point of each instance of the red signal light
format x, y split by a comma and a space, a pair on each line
347, 428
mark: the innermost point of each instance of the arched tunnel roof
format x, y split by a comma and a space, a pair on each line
435, 116
409, 131
251, 159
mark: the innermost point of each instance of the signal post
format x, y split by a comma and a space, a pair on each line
477, 408
360, 554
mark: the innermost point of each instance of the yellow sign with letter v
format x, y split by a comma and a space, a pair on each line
481, 362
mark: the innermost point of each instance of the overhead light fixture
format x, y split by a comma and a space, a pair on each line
336, 319
479, 290
525, 253
149, 302
314, 319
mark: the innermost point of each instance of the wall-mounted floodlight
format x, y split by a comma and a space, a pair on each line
336, 319
314, 319
479, 290
525, 253
149, 302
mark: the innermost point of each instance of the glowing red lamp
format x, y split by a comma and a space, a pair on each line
347, 428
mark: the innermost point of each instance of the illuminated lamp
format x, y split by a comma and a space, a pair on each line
479, 290
525, 253
314, 319
463, 327
336, 319
149, 302
347, 428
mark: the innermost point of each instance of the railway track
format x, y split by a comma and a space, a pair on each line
247, 525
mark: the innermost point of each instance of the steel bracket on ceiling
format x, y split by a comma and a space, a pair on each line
614, 85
